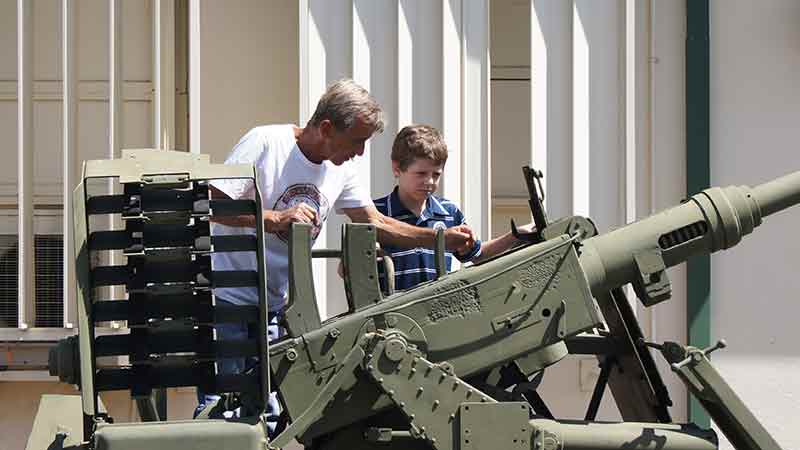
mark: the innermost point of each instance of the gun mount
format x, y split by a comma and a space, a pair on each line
452, 363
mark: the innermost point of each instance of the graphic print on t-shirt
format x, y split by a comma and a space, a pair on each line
303, 193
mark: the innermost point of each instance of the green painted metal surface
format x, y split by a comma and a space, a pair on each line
698, 176
453, 363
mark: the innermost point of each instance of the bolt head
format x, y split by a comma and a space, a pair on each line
395, 349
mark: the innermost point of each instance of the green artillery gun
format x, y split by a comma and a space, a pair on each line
453, 363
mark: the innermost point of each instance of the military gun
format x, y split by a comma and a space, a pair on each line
452, 363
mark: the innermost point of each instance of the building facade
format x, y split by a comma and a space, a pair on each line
593, 92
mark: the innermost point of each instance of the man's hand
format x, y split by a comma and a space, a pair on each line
275, 221
459, 239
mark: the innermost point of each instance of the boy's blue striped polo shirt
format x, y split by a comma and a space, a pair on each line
416, 265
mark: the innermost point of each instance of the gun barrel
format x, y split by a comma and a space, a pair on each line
715, 219
779, 194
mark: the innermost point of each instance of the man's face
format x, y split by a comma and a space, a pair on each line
340, 146
420, 179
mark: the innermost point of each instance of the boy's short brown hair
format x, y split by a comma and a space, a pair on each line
418, 142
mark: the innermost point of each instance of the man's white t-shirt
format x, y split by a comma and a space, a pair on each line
285, 177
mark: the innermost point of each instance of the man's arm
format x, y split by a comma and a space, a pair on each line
274, 221
400, 234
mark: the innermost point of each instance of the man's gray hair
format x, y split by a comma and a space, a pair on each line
343, 102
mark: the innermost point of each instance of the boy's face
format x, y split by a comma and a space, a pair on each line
420, 179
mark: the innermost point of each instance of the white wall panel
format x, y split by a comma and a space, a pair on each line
590, 32
551, 100
137, 40
452, 178
598, 102
755, 111
93, 141
510, 103
423, 60
475, 135
594, 66
93, 40
47, 169
8, 38
511, 141
411, 55
667, 320
46, 40
8, 148
375, 68
249, 73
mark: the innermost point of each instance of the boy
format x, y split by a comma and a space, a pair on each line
418, 156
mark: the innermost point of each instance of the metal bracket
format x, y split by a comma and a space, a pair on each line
361, 272
496, 425
729, 413
652, 283
171, 178
301, 313
428, 394
315, 409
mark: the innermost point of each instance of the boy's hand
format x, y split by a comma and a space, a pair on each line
459, 239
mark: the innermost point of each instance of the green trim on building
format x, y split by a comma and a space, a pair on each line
698, 177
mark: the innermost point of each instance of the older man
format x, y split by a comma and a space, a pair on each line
304, 174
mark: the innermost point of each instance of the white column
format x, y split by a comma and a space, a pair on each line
163, 74
374, 67
667, 121
194, 77
26, 280
326, 46
115, 79
115, 120
581, 118
451, 98
598, 111
551, 101
405, 65
419, 60
476, 157
638, 153
69, 20
364, 14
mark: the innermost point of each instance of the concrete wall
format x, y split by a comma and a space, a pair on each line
755, 112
